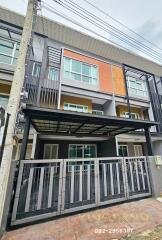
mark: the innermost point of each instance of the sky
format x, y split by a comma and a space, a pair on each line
144, 17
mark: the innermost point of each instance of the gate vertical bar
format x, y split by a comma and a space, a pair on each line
80, 183
14, 212
117, 174
105, 179
40, 189
88, 182
61, 192
27, 203
50, 187
97, 182
112, 180
131, 173
137, 176
125, 178
72, 185
63, 164
143, 181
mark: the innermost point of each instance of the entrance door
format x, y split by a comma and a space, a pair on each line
50, 151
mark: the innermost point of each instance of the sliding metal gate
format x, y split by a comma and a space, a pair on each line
47, 188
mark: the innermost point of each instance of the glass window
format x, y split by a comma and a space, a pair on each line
82, 151
4, 101
75, 107
94, 72
97, 112
89, 151
9, 51
137, 86
6, 47
75, 76
67, 64
4, 32
36, 69
86, 79
76, 66
79, 71
52, 73
133, 115
86, 69
123, 150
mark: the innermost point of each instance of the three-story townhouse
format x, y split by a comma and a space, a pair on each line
92, 114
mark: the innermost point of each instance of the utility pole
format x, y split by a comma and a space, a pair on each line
13, 104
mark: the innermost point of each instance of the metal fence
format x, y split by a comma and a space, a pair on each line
43, 88
47, 188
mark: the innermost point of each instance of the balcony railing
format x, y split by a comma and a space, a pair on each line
43, 90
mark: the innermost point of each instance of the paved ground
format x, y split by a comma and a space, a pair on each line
102, 224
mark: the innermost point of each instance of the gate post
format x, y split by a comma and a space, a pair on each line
125, 178
97, 182
62, 181
149, 142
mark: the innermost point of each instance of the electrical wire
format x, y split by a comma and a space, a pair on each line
60, 14
51, 8
147, 50
123, 25
112, 27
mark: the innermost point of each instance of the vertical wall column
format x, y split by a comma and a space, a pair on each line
25, 138
126, 88
43, 71
113, 107
149, 142
60, 78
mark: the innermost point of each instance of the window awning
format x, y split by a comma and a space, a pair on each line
60, 122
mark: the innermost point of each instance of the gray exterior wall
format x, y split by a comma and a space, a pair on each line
104, 148
155, 177
157, 146
108, 148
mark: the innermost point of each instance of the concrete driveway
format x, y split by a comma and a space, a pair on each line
107, 223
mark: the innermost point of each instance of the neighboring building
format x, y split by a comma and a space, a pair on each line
86, 99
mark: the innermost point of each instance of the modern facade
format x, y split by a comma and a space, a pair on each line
72, 79
85, 99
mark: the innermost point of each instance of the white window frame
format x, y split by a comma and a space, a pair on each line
143, 86
49, 144
123, 145
34, 69
81, 75
95, 111
126, 115
19, 148
82, 149
77, 105
139, 145
12, 55
49, 67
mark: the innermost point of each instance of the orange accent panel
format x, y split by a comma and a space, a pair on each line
104, 69
119, 82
